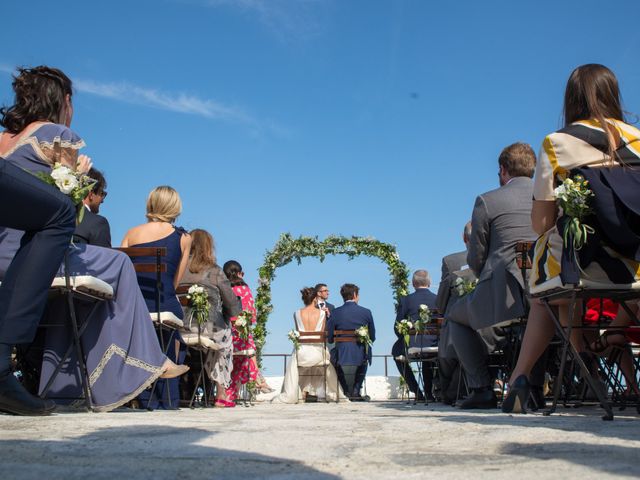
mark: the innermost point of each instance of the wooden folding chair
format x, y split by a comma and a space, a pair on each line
344, 336
246, 396
77, 289
196, 341
163, 321
423, 351
315, 338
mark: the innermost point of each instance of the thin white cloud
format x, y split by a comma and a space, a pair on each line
182, 103
173, 102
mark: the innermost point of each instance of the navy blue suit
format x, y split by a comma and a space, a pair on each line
350, 316
48, 220
409, 308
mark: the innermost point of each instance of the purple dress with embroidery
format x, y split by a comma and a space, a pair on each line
123, 353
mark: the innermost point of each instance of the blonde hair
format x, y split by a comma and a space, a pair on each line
163, 205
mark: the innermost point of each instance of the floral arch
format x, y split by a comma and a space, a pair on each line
288, 248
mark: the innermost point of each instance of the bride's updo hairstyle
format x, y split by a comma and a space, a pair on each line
308, 294
40, 95
163, 205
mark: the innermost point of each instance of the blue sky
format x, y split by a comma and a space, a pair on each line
376, 118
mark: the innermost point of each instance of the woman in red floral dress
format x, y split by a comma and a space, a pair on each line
245, 368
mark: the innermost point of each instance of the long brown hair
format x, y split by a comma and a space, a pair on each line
203, 254
592, 93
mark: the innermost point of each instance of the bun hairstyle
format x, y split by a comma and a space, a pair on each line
308, 294
40, 95
232, 270
163, 205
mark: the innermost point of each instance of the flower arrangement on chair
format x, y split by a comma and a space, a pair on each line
243, 324
362, 333
73, 184
464, 287
199, 304
573, 196
294, 336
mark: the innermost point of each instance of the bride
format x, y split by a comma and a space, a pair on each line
310, 382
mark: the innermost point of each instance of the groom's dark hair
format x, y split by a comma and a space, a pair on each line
349, 291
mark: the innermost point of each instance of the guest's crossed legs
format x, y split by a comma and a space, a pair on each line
48, 218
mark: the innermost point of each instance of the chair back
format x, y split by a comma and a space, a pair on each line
523, 260
342, 336
157, 267
313, 337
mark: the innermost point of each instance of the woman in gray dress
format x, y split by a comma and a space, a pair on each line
123, 353
204, 271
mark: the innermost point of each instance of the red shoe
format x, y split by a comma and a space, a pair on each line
225, 404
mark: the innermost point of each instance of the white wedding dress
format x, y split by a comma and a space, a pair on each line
310, 360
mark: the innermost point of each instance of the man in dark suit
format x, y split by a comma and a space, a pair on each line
94, 229
350, 359
409, 308
501, 218
48, 218
322, 294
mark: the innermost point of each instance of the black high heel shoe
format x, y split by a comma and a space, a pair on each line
519, 391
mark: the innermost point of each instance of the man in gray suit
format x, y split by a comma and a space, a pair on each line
448, 364
501, 218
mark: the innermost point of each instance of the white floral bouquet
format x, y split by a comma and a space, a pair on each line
463, 286
74, 184
294, 336
573, 196
199, 303
425, 318
243, 324
403, 327
362, 333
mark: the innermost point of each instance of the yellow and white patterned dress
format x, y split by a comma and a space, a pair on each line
581, 144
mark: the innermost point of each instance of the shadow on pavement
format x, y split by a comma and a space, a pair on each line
140, 452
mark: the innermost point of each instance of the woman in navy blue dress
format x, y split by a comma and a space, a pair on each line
163, 208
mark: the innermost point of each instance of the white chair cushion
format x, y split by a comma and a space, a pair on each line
86, 283
250, 352
193, 340
418, 351
167, 318
555, 284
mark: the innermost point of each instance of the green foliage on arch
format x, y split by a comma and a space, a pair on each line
288, 248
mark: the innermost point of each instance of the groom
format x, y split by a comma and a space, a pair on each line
350, 359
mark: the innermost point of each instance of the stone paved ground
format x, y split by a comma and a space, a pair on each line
319, 441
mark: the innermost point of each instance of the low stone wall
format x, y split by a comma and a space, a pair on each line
378, 387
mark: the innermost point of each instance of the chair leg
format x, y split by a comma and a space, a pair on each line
79, 352
565, 335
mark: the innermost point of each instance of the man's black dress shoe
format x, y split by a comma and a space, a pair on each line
448, 401
360, 398
16, 400
480, 399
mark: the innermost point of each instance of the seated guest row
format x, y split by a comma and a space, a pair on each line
596, 136
123, 353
